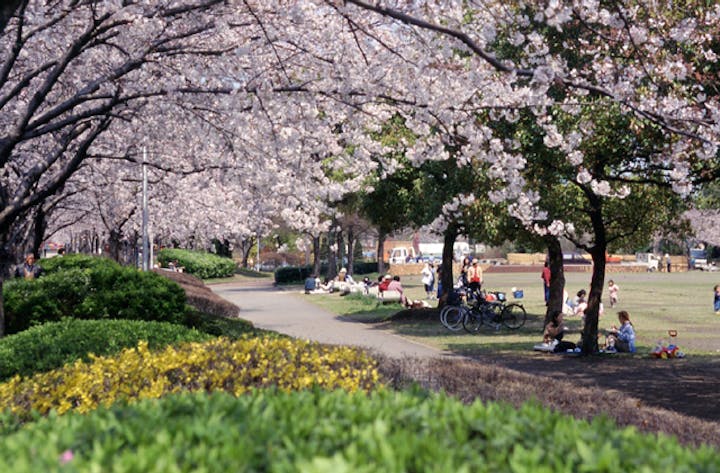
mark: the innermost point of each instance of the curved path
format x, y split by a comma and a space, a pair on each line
270, 308
686, 386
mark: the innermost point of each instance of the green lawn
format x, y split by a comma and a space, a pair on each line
657, 302
242, 275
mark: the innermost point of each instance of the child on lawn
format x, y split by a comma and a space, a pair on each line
613, 290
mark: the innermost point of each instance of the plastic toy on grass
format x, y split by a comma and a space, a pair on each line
665, 351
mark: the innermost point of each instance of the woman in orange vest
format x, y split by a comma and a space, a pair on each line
474, 275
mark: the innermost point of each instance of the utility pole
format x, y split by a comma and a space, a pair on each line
258, 250
145, 243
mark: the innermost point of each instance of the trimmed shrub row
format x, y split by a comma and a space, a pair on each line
318, 431
293, 274
90, 288
218, 364
198, 263
53, 345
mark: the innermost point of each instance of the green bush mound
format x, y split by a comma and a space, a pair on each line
316, 431
92, 288
53, 345
198, 263
76, 261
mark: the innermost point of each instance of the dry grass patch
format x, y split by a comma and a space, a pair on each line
200, 296
470, 380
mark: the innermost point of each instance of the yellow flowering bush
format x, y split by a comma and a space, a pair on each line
219, 364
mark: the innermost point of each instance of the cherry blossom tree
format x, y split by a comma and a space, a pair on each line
309, 82
649, 62
67, 72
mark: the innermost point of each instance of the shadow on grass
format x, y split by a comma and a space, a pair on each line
219, 326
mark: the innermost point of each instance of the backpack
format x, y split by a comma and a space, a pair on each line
564, 346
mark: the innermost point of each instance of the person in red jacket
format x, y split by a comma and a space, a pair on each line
383, 286
546, 281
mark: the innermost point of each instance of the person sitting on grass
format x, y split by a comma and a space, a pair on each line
580, 303
553, 335
621, 339
555, 329
384, 283
395, 285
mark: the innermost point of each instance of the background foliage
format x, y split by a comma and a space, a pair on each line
386, 431
198, 263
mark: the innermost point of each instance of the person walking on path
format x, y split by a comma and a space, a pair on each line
267, 308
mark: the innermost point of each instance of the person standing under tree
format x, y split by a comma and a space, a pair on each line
668, 263
28, 270
474, 276
546, 281
428, 279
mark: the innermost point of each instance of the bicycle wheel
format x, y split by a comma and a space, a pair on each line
451, 317
492, 311
472, 321
513, 316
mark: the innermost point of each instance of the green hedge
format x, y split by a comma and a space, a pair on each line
55, 344
315, 431
365, 267
99, 289
198, 263
76, 261
296, 274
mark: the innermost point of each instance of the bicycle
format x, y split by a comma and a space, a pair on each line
484, 311
452, 314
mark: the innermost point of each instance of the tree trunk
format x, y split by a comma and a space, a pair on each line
592, 313
2, 306
597, 283
381, 251
246, 246
350, 248
316, 255
340, 242
114, 245
557, 276
5, 265
332, 260
38, 232
446, 273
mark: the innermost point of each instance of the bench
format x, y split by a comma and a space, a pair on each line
388, 297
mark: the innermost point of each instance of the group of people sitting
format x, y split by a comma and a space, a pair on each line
344, 284
617, 339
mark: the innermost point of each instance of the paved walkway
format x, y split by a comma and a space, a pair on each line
286, 312
686, 386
